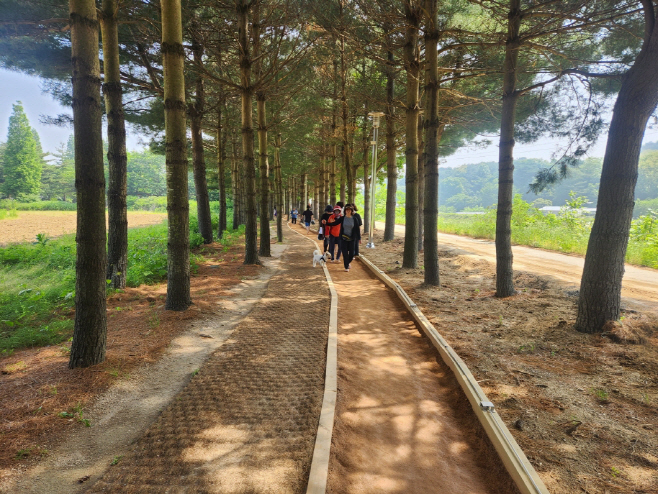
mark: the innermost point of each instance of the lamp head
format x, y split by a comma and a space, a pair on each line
375, 117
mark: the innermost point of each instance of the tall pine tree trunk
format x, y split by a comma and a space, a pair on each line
323, 181
347, 167
343, 183
366, 166
391, 149
431, 164
90, 329
280, 202
600, 288
199, 161
221, 173
235, 182
332, 170
117, 241
263, 163
421, 182
504, 272
412, 66
178, 242
251, 233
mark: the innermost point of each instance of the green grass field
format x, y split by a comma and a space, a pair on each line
37, 282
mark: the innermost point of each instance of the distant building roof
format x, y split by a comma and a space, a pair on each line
556, 209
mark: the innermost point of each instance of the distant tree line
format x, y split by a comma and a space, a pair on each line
475, 185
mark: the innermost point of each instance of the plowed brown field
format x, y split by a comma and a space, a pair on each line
26, 226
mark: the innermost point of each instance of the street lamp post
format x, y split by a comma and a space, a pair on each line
375, 134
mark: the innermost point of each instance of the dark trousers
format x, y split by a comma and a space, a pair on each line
294, 220
347, 247
326, 243
333, 242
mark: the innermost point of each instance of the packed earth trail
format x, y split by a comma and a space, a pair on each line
402, 423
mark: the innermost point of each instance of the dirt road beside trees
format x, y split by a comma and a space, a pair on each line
640, 284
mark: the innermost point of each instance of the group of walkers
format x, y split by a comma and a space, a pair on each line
340, 228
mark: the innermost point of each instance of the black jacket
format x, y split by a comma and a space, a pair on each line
356, 231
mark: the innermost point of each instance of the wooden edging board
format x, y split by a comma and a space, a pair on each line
522, 472
317, 479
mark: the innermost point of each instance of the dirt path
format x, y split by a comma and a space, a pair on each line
639, 284
247, 421
402, 423
27, 224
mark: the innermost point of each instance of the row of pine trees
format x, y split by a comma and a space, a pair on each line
443, 72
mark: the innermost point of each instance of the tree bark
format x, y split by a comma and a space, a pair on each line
391, 150
90, 328
366, 199
235, 183
366, 166
412, 66
600, 287
332, 170
343, 195
117, 242
221, 174
421, 181
323, 180
348, 172
263, 162
280, 205
251, 233
504, 271
431, 164
178, 243
204, 218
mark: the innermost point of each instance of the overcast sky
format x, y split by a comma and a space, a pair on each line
20, 87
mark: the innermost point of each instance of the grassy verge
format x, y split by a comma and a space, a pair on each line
37, 282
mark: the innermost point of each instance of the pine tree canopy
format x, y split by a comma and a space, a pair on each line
22, 159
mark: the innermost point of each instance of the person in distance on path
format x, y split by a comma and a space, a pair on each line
293, 215
308, 216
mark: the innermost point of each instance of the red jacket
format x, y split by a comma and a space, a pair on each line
334, 230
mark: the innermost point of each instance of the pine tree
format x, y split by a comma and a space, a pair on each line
22, 161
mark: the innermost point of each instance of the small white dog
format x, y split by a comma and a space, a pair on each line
319, 257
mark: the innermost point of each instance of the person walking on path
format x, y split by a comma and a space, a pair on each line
293, 215
359, 222
350, 235
308, 216
334, 232
328, 211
